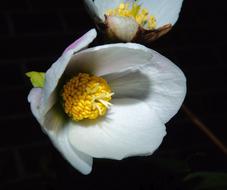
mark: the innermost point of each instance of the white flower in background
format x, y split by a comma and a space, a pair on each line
134, 20
109, 101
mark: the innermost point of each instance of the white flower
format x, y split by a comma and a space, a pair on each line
134, 20
148, 90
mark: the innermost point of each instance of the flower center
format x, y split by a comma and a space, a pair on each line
135, 11
86, 97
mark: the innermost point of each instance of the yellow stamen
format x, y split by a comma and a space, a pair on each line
135, 11
86, 97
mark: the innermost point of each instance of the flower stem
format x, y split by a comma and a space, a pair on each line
198, 123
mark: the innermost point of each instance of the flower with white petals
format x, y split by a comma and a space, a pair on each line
134, 20
110, 101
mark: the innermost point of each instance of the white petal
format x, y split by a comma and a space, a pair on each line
131, 83
159, 83
93, 10
165, 11
55, 72
34, 99
121, 28
109, 58
80, 161
55, 119
168, 86
104, 5
130, 128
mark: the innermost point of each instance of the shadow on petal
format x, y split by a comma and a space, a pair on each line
131, 83
55, 119
130, 130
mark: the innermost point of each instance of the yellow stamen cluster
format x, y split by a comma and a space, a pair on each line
141, 15
86, 97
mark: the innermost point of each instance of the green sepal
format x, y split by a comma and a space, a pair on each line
37, 78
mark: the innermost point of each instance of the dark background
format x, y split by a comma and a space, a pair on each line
33, 35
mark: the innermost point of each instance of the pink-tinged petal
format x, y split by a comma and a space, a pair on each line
55, 72
82, 42
130, 128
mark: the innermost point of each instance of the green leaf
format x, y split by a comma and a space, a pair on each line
207, 180
37, 78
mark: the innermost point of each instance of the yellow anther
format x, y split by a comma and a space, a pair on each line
86, 97
135, 11
122, 6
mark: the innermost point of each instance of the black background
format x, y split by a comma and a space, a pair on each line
33, 35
